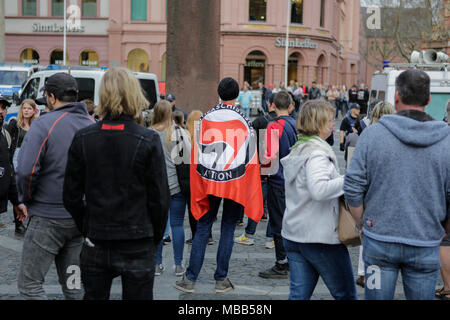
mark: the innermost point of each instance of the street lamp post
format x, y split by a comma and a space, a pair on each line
65, 33
287, 43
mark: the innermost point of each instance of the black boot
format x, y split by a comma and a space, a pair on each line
20, 228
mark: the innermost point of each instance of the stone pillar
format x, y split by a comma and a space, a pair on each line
2, 30
193, 53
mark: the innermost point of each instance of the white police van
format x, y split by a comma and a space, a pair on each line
88, 80
434, 64
13, 76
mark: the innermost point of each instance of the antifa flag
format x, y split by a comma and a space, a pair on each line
224, 162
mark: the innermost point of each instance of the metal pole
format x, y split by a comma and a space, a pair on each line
2, 30
65, 33
287, 44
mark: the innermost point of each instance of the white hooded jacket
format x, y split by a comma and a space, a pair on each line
313, 186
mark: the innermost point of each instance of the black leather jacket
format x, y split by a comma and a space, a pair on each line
118, 166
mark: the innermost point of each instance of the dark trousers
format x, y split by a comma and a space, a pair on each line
133, 260
276, 204
230, 215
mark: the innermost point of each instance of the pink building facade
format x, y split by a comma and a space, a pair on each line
34, 32
323, 40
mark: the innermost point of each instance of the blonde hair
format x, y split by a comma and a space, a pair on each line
20, 118
190, 122
314, 116
120, 93
380, 110
162, 119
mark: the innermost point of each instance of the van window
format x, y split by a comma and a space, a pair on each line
437, 105
149, 90
373, 96
31, 90
86, 88
12, 78
381, 95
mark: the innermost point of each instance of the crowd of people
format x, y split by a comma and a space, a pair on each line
99, 189
341, 98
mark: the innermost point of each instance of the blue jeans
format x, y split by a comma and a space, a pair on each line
246, 111
47, 241
308, 261
230, 216
176, 217
251, 225
384, 260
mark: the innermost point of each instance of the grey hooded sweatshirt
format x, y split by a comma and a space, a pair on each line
400, 172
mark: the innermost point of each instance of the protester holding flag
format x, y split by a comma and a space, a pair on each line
224, 162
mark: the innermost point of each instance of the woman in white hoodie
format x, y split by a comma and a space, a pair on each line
313, 185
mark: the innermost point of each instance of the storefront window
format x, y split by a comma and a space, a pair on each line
89, 58
138, 60
89, 8
139, 10
293, 67
255, 68
28, 7
56, 57
58, 8
29, 56
297, 11
257, 10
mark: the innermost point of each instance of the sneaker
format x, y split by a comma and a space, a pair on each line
270, 244
167, 240
278, 271
223, 286
210, 241
244, 240
179, 270
361, 281
264, 217
159, 270
189, 241
240, 223
185, 285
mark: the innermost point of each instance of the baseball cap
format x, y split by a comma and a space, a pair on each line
170, 97
41, 101
6, 102
354, 106
228, 89
61, 83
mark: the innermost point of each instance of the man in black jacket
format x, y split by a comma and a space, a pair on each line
7, 177
118, 166
314, 92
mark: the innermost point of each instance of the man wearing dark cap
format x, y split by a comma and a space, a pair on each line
220, 171
171, 98
52, 234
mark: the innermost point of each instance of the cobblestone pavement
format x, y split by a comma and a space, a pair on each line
246, 262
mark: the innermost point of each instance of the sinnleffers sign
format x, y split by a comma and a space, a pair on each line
38, 27
307, 44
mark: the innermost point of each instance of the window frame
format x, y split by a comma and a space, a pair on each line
322, 13
36, 2
144, 11
303, 11
52, 9
249, 16
96, 9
